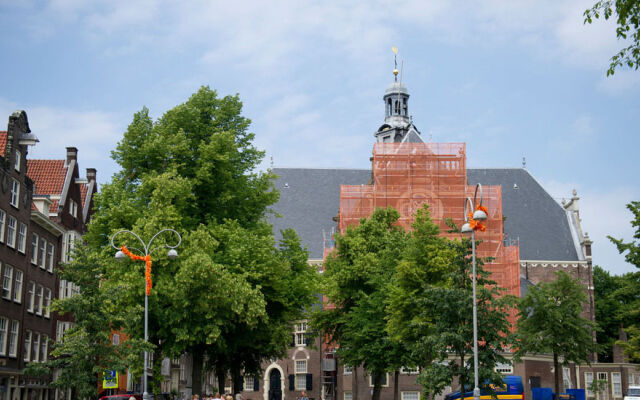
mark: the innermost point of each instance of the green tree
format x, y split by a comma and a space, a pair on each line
193, 170
627, 13
628, 292
550, 321
607, 308
431, 310
354, 281
86, 351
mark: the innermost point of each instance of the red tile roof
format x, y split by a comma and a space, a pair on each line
83, 193
3, 142
48, 175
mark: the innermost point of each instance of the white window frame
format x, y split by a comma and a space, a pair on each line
22, 238
14, 335
44, 348
73, 208
386, 374
17, 285
301, 382
301, 333
50, 256
12, 227
616, 379
34, 248
249, 381
4, 335
115, 339
39, 299
42, 253
410, 395
7, 282
298, 364
35, 347
47, 303
347, 370
31, 293
348, 395
588, 380
410, 370
27, 345
14, 200
17, 160
566, 378
3, 218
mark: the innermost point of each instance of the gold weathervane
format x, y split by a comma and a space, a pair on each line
395, 62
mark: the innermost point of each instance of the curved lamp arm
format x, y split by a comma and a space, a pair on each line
144, 247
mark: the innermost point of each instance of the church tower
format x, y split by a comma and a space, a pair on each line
398, 126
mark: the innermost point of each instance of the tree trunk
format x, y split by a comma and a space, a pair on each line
377, 385
354, 382
557, 373
396, 374
462, 381
221, 375
196, 372
236, 381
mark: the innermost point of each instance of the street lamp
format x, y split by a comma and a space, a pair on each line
473, 218
122, 253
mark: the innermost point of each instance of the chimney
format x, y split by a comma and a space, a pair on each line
91, 174
72, 154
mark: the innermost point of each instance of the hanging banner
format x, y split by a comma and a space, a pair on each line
110, 379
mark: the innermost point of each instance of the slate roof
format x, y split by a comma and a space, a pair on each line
310, 198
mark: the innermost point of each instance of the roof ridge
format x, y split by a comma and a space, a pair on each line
326, 168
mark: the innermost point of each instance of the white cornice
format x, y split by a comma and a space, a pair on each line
46, 223
554, 264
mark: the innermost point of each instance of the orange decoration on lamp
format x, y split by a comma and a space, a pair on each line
147, 271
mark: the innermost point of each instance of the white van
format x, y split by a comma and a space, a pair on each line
633, 393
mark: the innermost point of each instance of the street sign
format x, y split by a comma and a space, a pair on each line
110, 379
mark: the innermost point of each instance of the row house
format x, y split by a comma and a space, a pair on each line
40, 220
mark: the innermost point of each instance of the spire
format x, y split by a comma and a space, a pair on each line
397, 122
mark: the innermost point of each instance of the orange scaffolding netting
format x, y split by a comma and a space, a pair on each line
407, 175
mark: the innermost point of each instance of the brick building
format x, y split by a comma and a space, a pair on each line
539, 235
38, 226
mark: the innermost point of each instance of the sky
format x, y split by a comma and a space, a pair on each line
512, 79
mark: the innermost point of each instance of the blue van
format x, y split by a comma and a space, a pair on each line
512, 389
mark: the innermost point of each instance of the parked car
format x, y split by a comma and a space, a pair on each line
511, 389
633, 393
121, 397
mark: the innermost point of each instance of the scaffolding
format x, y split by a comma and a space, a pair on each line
408, 175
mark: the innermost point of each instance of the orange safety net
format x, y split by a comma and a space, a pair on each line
407, 175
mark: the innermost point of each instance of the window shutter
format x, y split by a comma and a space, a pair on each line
292, 382
307, 340
256, 384
293, 340
238, 385
309, 382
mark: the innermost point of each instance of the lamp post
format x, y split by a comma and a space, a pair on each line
473, 222
121, 255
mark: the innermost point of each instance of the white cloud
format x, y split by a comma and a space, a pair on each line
93, 132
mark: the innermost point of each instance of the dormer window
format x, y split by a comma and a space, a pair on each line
16, 161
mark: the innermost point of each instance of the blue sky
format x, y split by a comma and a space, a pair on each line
509, 78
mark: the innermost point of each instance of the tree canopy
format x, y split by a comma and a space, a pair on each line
193, 170
431, 305
627, 13
628, 292
550, 321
